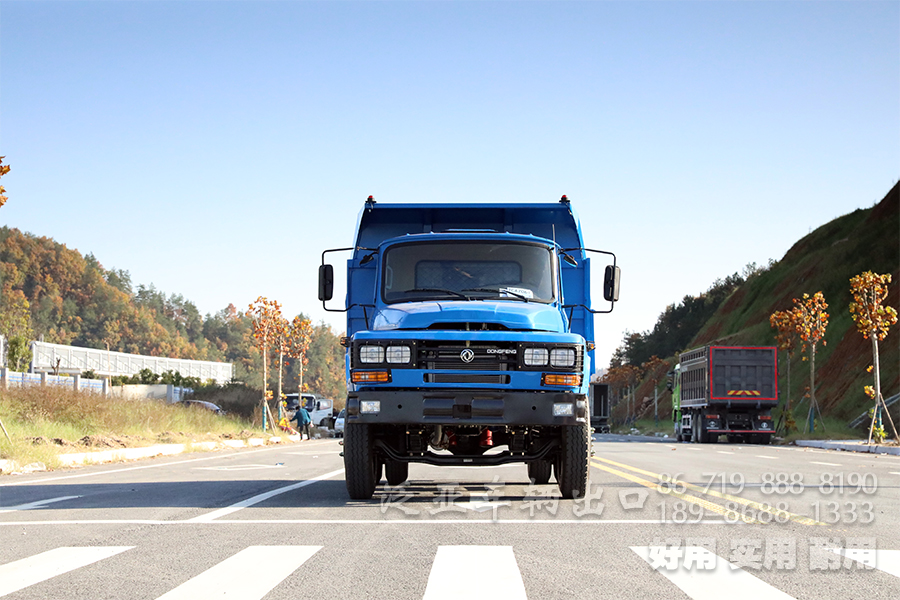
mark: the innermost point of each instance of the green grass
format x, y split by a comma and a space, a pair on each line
45, 422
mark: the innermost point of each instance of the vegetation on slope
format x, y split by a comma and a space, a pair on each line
824, 260
68, 298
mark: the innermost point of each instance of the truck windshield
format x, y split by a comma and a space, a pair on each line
468, 271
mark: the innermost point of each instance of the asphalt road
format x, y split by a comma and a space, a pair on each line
664, 520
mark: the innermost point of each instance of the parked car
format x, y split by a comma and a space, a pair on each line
339, 424
202, 404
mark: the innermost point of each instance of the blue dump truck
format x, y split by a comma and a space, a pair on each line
725, 390
470, 340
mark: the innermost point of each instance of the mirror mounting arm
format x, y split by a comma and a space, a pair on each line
610, 280
326, 279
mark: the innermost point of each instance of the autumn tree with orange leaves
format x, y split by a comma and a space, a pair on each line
623, 377
810, 321
299, 339
786, 338
873, 319
4, 169
265, 316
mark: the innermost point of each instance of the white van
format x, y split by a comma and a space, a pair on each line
319, 409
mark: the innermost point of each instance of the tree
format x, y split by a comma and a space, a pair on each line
624, 377
264, 315
810, 321
280, 336
15, 326
653, 368
873, 319
4, 169
299, 338
786, 338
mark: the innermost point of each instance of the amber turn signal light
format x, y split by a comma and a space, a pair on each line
561, 379
370, 377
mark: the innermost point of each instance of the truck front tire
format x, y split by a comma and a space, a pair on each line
360, 463
572, 466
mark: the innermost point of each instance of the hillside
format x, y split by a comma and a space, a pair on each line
67, 298
824, 260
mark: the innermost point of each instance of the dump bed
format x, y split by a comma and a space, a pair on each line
729, 375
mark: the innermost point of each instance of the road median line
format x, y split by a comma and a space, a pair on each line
775, 512
706, 504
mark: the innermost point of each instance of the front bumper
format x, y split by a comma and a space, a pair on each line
466, 407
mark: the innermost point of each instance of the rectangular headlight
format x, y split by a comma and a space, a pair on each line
370, 406
536, 357
562, 357
371, 354
563, 409
398, 354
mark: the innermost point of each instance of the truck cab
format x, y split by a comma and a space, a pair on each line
469, 341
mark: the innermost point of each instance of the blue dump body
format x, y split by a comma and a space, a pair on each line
470, 340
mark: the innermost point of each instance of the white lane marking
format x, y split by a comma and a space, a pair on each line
883, 560
239, 467
249, 574
416, 521
769, 457
724, 452
40, 567
489, 572
43, 480
694, 449
708, 584
38, 504
827, 464
894, 473
260, 498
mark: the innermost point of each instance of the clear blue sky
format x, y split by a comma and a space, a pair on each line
214, 149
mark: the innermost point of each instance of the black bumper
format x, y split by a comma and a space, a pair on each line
465, 407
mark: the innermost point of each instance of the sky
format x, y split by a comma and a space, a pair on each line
215, 149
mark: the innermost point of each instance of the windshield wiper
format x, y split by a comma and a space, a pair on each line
440, 290
499, 291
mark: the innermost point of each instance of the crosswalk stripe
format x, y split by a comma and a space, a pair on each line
40, 567
709, 584
885, 560
489, 571
249, 575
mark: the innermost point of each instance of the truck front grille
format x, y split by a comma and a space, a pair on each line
465, 378
457, 356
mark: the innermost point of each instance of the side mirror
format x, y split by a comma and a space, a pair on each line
326, 282
610, 284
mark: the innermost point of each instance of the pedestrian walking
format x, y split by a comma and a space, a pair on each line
303, 420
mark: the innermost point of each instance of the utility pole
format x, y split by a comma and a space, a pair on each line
656, 404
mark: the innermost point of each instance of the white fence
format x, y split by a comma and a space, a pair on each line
167, 392
57, 358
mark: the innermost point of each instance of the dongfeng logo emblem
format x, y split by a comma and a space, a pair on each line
467, 355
